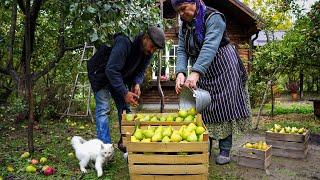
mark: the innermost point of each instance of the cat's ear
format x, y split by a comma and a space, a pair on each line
102, 147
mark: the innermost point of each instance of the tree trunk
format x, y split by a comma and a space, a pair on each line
301, 84
272, 99
28, 77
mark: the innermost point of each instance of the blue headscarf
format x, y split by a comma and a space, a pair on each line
199, 19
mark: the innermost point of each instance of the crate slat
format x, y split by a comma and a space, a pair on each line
168, 169
254, 163
168, 159
255, 153
167, 147
290, 153
288, 145
287, 137
168, 177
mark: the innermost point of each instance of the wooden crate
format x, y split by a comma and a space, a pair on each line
255, 158
157, 160
129, 127
289, 145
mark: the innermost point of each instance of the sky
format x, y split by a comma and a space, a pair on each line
306, 4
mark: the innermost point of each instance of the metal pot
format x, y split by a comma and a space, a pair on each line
196, 98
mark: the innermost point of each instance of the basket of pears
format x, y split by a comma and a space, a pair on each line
255, 155
173, 151
288, 141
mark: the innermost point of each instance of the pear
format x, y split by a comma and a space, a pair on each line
181, 129
154, 119
200, 138
146, 118
166, 139
294, 130
200, 130
282, 131
148, 133
129, 117
10, 168
138, 134
301, 131
134, 139
31, 169
277, 127
175, 137
191, 127
248, 145
192, 137
287, 129
147, 140
43, 160
188, 119
167, 131
25, 155
185, 134
264, 146
183, 113
156, 137
192, 111
170, 118
159, 129
163, 119
179, 119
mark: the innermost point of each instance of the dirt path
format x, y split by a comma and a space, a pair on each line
281, 168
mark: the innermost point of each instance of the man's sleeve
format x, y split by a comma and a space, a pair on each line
116, 62
138, 79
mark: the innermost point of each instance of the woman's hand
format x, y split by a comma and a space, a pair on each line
192, 80
179, 82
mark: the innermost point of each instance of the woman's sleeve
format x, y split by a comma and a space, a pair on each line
182, 58
215, 28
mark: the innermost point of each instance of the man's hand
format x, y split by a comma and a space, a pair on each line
192, 80
131, 98
136, 90
179, 82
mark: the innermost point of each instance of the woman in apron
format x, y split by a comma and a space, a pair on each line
217, 68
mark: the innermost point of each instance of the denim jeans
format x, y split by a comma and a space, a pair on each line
102, 98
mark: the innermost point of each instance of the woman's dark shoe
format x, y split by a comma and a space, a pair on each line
223, 157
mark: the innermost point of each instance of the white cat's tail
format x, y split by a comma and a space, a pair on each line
76, 141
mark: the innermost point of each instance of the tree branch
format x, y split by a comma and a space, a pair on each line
60, 53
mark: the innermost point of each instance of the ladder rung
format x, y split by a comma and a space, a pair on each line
83, 72
78, 100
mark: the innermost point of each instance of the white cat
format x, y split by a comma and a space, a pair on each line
94, 150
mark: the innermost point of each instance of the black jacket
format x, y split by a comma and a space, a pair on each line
123, 64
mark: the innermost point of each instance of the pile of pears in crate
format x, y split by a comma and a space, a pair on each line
166, 134
261, 145
182, 116
287, 130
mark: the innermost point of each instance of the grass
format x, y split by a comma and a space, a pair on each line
52, 140
280, 108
